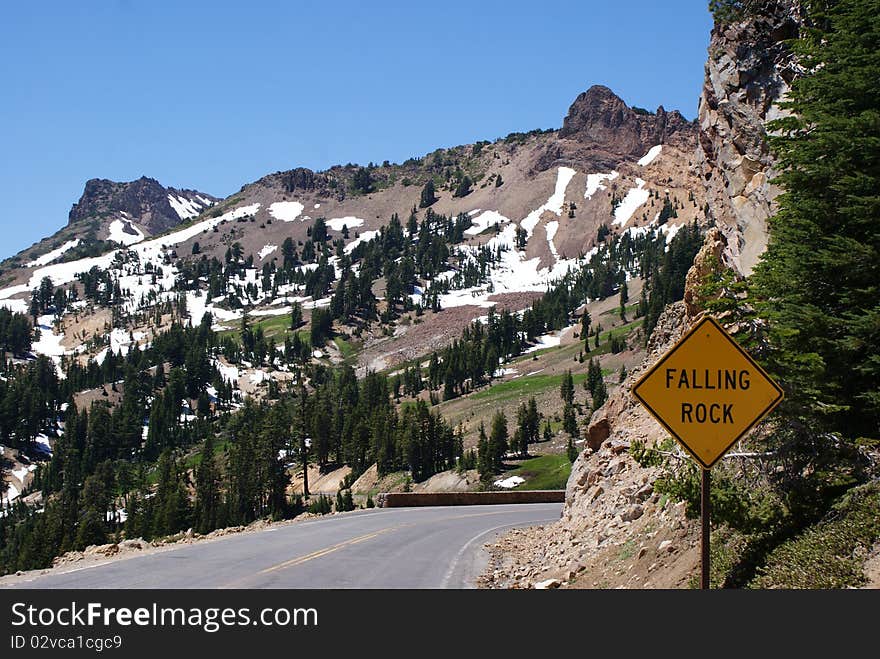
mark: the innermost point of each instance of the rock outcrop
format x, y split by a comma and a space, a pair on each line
708, 260
621, 419
145, 202
748, 72
599, 117
299, 180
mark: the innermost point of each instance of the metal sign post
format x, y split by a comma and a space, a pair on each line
708, 393
705, 514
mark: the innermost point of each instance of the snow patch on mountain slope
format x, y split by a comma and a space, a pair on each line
338, 222
594, 182
365, 237
648, 158
121, 340
483, 221
185, 208
553, 204
177, 237
11, 494
64, 273
669, 230
49, 343
259, 376
227, 372
195, 306
286, 211
545, 341
17, 305
267, 249
279, 311
48, 257
510, 482
634, 198
513, 273
552, 228
120, 235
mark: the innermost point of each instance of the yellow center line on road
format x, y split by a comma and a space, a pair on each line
451, 517
328, 550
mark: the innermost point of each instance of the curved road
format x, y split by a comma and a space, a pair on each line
384, 548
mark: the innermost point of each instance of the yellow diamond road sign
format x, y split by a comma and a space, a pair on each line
707, 392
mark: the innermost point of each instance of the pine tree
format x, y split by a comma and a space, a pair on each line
92, 527
207, 476
362, 181
594, 374
595, 383
521, 237
528, 421
569, 420
566, 389
600, 394
296, 315
427, 197
818, 279
498, 440
571, 450
171, 506
585, 329
484, 457
464, 187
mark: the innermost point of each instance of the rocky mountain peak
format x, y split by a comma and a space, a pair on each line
145, 201
600, 117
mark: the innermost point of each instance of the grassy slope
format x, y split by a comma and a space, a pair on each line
545, 472
524, 386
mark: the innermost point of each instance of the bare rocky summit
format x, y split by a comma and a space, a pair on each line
145, 202
601, 118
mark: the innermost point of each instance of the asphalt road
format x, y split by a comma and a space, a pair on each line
384, 548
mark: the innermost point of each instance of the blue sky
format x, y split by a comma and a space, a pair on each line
213, 95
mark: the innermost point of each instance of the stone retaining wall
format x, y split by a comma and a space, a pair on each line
403, 499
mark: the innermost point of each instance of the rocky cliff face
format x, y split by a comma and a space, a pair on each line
145, 201
748, 71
